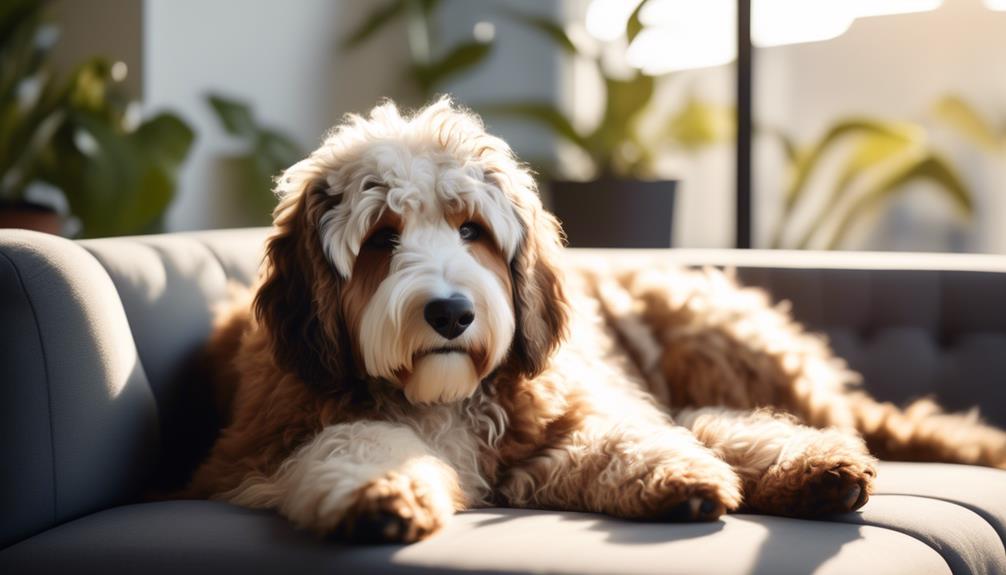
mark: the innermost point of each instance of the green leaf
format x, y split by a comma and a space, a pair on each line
626, 100
98, 183
963, 117
543, 113
547, 27
930, 167
379, 17
281, 150
872, 152
235, 116
807, 161
699, 124
166, 138
461, 58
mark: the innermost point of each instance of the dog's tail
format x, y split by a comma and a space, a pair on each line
924, 432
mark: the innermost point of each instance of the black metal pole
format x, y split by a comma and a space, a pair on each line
744, 124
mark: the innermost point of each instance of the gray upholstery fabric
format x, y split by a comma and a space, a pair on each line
78, 424
204, 537
98, 340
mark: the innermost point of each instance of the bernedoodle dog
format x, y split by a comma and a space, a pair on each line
416, 347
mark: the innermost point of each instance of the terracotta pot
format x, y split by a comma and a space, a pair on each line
28, 216
614, 213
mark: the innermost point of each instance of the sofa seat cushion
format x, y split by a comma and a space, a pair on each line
924, 518
194, 537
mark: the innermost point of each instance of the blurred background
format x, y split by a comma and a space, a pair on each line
877, 124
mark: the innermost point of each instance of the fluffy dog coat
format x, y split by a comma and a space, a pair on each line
646, 394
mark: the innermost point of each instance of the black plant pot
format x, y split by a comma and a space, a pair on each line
614, 213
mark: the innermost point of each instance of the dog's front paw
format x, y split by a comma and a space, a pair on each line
832, 475
393, 509
702, 489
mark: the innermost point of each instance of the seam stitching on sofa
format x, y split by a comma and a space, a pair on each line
976, 510
48, 390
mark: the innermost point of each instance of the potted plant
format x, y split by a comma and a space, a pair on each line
625, 203
877, 160
78, 136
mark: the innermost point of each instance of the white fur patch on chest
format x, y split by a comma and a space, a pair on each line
460, 433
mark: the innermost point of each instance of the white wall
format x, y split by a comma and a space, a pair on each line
285, 61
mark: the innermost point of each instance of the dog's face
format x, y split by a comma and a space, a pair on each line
412, 250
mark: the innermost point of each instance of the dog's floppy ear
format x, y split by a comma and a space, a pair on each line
539, 300
297, 301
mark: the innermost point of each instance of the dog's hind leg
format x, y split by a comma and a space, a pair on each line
719, 344
787, 468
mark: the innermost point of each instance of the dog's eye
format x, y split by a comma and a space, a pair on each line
383, 239
470, 231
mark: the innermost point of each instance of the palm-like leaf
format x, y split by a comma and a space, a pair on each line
962, 116
930, 167
807, 161
872, 151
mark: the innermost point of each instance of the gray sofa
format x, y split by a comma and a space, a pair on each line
98, 405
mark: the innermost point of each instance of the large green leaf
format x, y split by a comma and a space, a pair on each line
963, 117
378, 18
543, 113
98, 179
457, 60
235, 116
930, 167
549, 28
165, 138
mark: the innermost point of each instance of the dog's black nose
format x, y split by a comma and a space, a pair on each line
451, 316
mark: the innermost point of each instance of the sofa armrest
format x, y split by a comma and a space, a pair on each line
78, 421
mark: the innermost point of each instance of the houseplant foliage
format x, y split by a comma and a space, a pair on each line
616, 145
267, 152
961, 115
877, 159
118, 175
430, 63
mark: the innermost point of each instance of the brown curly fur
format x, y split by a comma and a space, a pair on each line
762, 415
